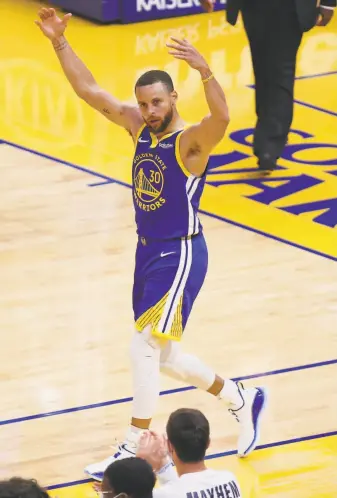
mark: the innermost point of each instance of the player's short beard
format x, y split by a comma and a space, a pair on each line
166, 121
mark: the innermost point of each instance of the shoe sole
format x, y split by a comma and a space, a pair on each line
98, 476
94, 476
253, 445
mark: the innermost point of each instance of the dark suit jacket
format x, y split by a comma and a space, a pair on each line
306, 10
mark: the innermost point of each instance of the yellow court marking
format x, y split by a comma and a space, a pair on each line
306, 469
297, 203
305, 91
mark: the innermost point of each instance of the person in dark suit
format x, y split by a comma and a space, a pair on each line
274, 29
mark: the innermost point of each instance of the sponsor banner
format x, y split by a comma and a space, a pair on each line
146, 10
103, 11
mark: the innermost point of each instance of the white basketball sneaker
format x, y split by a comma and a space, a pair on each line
125, 450
249, 416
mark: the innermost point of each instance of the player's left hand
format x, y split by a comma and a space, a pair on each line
185, 51
325, 16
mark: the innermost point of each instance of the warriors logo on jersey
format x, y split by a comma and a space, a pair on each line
148, 181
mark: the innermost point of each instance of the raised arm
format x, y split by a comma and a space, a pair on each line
198, 140
81, 79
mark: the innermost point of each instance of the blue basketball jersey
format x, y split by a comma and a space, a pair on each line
166, 196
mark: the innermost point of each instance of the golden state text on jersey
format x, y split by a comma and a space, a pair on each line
166, 196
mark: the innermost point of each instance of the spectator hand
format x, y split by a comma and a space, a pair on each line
153, 448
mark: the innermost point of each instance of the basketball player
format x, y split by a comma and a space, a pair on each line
169, 171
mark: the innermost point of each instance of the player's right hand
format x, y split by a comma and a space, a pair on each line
52, 26
207, 5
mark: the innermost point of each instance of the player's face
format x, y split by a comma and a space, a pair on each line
156, 104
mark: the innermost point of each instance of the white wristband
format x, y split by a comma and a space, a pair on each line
167, 473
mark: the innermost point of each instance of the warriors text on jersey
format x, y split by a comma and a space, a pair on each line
166, 196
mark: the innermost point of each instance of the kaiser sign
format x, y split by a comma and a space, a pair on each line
146, 10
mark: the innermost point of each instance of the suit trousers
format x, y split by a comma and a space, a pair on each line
274, 36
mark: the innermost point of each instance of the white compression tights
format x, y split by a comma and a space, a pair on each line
148, 358
185, 367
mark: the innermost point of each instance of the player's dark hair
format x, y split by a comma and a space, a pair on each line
155, 76
16, 487
188, 432
132, 476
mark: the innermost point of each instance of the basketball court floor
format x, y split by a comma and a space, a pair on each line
268, 311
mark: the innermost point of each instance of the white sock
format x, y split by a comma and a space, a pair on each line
135, 430
133, 435
230, 393
185, 367
145, 359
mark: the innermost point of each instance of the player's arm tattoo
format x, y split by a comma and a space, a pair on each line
106, 111
58, 46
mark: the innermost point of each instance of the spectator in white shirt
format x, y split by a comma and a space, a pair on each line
188, 437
